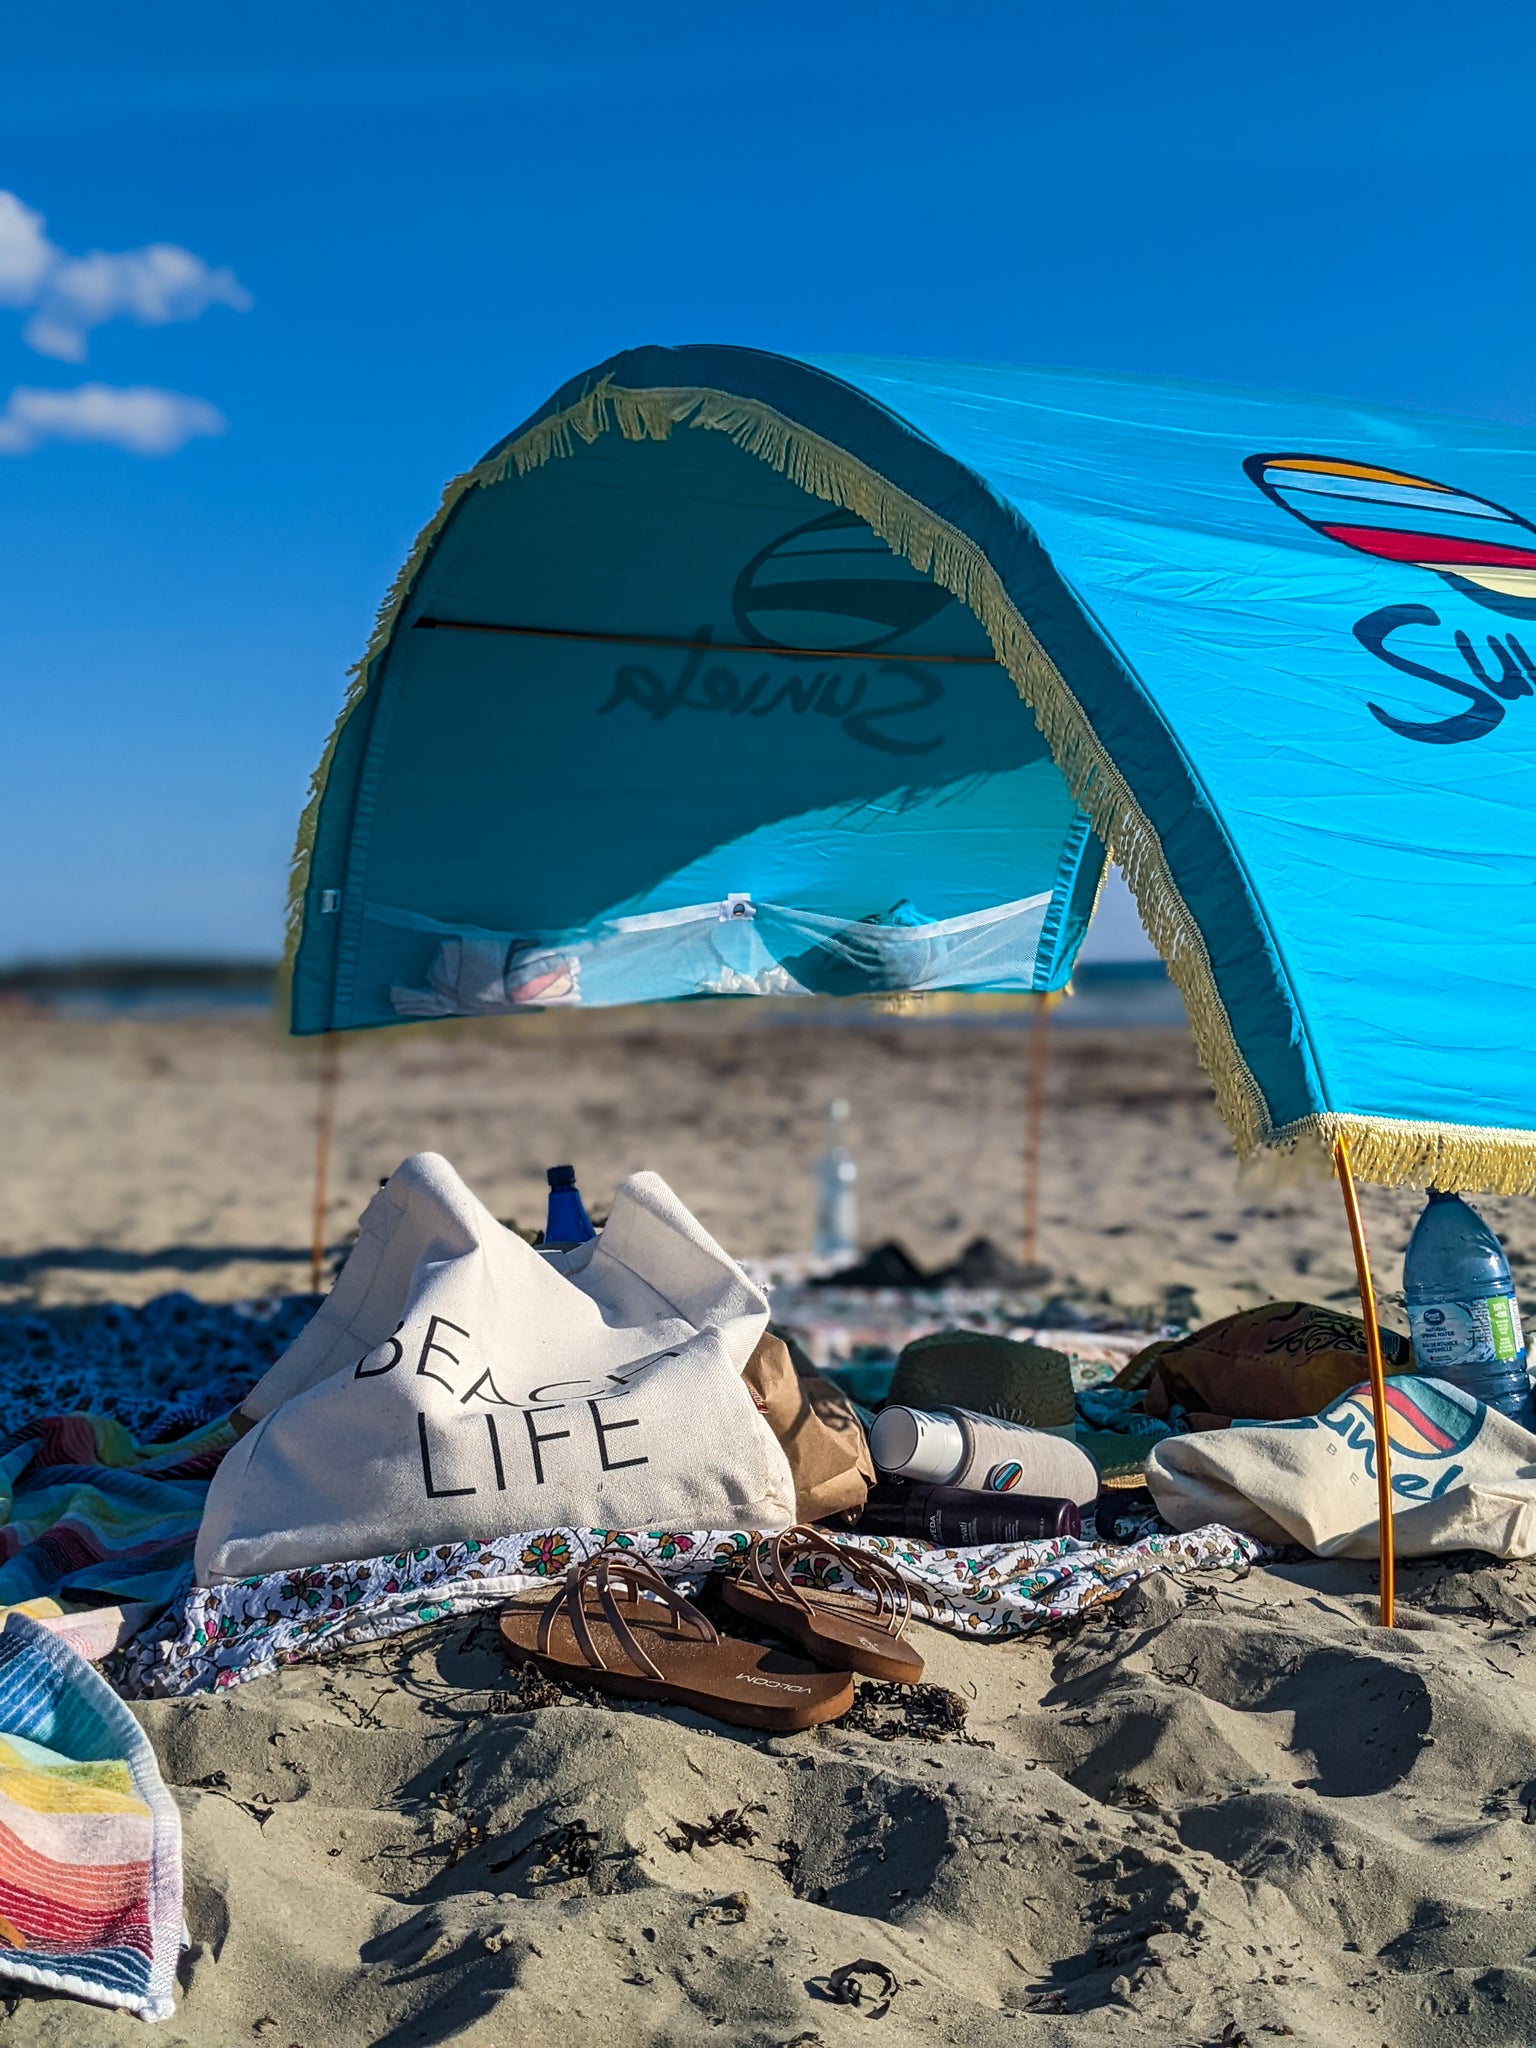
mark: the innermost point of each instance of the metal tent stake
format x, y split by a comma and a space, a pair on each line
325, 1126
1034, 1112
1378, 1379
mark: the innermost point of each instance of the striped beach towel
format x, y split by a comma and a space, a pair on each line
87, 1511
90, 1840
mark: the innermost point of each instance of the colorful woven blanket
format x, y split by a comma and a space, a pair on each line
86, 1510
224, 1635
90, 1840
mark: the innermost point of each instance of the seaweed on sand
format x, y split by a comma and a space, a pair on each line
888, 1711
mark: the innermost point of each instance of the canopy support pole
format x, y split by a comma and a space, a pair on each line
1378, 1379
325, 1126
1034, 1115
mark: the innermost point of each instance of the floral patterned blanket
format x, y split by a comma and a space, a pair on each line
224, 1635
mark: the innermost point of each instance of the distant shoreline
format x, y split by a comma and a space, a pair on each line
1104, 993
48, 977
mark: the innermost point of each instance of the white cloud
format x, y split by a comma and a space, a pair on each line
141, 419
73, 294
152, 286
26, 254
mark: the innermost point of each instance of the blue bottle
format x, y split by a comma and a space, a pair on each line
567, 1222
1462, 1309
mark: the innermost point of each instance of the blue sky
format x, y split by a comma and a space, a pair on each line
393, 230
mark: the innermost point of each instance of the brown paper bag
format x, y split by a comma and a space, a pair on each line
816, 1426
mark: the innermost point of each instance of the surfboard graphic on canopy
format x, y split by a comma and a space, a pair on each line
731, 674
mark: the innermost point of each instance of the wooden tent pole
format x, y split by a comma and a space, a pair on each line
1034, 1113
1378, 1380
325, 1126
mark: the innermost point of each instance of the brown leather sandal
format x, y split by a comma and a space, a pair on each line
836, 1625
617, 1625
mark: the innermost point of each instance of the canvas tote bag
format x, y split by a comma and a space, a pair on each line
458, 1384
1463, 1476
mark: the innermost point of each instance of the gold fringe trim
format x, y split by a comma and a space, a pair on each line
1383, 1149
1402, 1152
358, 678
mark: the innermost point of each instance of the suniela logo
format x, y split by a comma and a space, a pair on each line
830, 588
834, 586
1477, 548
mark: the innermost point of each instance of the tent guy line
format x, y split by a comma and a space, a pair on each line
707, 646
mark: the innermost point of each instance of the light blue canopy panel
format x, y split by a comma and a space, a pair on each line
707, 681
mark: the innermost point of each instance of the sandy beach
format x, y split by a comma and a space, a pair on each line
1226, 1809
137, 1157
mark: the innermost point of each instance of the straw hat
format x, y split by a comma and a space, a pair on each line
1029, 1383
1017, 1381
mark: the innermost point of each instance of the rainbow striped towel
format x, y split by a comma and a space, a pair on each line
87, 1511
90, 1840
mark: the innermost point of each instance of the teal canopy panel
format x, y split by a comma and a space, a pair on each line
707, 681
746, 750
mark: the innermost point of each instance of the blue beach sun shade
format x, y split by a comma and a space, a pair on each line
716, 678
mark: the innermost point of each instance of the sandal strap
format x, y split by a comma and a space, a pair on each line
769, 1562
611, 1578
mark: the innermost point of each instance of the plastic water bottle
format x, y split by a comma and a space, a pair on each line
1462, 1309
837, 1194
567, 1222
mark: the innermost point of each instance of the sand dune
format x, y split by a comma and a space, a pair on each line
1228, 1803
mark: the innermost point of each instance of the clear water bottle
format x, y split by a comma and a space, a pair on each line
1462, 1309
837, 1194
567, 1222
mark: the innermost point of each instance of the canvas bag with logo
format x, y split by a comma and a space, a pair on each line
1463, 1476
458, 1384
